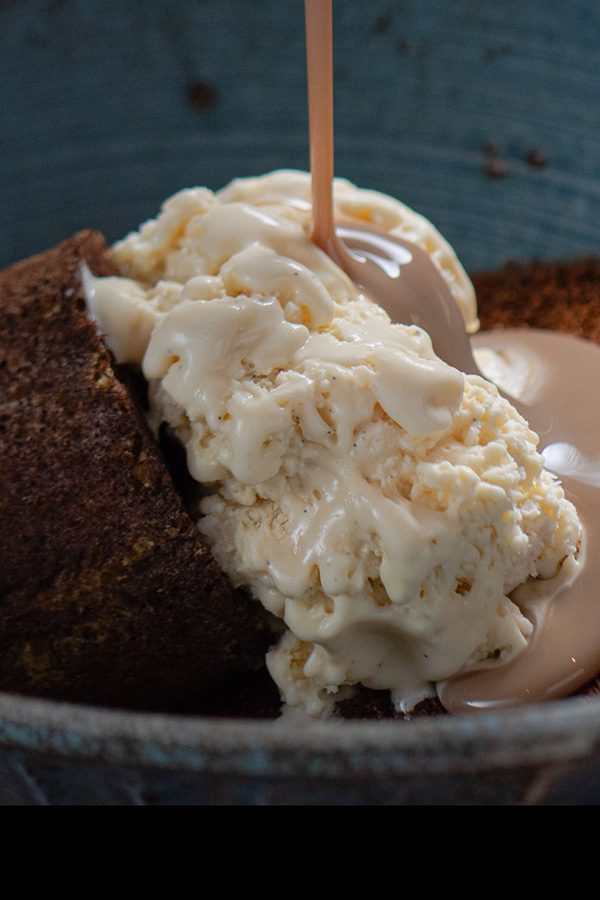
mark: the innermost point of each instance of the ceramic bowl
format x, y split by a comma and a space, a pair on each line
482, 116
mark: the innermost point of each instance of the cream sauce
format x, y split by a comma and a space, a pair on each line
565, 649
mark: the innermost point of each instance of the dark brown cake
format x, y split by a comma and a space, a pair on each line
107, 592
562, 296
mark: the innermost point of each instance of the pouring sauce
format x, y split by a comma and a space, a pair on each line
564, 651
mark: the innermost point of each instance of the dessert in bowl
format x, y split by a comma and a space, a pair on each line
371, 507
91, 753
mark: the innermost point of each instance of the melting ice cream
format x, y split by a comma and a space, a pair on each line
377, 501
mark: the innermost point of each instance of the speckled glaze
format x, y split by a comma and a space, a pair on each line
109, 106
59, 753
97, 129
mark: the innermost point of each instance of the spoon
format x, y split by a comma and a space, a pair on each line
399, 275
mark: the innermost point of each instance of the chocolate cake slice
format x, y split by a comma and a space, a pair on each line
108, 594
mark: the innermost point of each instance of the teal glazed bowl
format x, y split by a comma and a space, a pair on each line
64, 754
484, 117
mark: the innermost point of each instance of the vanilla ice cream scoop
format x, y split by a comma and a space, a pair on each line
379, 502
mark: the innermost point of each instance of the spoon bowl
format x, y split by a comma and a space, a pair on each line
403, 279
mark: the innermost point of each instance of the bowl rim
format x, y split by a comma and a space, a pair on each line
550, 733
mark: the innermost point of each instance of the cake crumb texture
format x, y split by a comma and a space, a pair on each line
107, 592
561, 296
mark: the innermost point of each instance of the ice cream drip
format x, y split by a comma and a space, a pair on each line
564, 649
307, 343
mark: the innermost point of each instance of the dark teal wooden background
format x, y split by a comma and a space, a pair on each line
96, 127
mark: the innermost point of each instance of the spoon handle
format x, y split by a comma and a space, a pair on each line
319, 59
